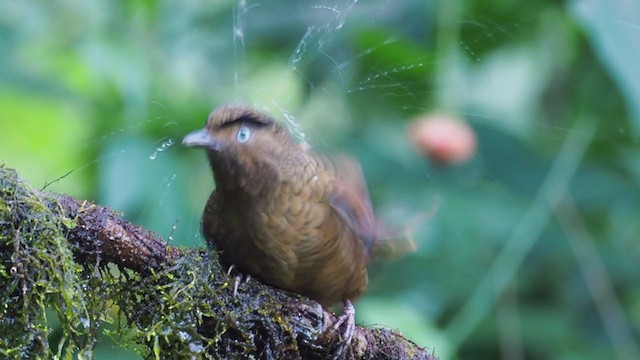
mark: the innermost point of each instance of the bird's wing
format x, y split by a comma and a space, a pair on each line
338, 231
350, 199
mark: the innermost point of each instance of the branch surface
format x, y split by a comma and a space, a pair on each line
260, 320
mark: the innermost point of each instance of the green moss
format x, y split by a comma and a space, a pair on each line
188, 311
185, 310
37, 272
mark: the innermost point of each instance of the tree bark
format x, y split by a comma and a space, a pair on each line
261, 321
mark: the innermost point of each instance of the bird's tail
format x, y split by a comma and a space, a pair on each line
390, 244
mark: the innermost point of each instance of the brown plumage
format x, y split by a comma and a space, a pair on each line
290, 217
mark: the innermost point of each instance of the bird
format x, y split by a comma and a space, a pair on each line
285, 214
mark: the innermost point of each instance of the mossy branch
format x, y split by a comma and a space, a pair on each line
94, 268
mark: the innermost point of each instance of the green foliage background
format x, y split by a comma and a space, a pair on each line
552, 88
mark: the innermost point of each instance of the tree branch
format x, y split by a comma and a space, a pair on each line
184, 289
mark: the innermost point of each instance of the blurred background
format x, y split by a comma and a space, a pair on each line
500, 136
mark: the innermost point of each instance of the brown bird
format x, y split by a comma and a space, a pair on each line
294, 219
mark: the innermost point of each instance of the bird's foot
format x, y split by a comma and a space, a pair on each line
239, 279
346, 320
230, 270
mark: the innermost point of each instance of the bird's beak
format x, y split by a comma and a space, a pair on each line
200, 138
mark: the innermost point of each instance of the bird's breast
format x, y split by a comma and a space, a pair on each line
290, 237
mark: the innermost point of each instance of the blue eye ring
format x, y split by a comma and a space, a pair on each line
243, 135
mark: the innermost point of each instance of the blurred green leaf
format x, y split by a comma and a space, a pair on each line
614, 30
44, 138
146, 181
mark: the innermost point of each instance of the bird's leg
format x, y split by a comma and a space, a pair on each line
239, 279
346, 319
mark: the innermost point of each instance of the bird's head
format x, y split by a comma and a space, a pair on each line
243, 145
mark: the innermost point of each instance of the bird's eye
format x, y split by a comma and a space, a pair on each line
243, 135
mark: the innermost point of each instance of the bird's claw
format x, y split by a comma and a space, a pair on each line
346, 319
239, 279
230, 270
